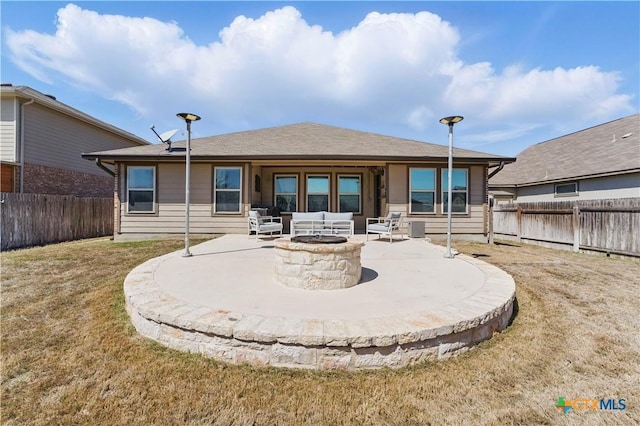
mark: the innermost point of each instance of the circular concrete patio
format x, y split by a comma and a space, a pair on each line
411, 304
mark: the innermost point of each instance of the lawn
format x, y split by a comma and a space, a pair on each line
70, 355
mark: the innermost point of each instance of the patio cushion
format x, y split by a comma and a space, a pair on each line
338, 216
393, 215
298, 216
267, 227
378, 227
254, 214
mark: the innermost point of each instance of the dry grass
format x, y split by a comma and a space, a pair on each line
70, 355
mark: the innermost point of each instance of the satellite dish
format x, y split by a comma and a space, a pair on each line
166, 136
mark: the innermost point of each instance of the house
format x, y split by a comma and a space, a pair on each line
41, 142
298, 167
602, 162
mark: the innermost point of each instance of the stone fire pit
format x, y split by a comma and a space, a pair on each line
318, 262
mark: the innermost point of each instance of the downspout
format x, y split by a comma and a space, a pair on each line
496, 171
22, 143
105, 168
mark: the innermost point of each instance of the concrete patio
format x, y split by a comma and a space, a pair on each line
411, 304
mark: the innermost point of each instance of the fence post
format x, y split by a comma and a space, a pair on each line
491, 223
519, 219
576, 228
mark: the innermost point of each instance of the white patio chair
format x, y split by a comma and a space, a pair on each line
264, 224
386, 226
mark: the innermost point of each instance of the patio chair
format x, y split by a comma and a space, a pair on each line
386, 226
264, 224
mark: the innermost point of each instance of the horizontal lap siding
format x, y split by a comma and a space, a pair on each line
8, 131
471, 223
170, 217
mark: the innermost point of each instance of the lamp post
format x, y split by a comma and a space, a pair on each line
450, 121
188, 118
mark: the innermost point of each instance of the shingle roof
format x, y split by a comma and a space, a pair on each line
49, 101
611, 147
299, 141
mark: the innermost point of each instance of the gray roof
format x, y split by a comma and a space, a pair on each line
50, 101
300, 141
610, 148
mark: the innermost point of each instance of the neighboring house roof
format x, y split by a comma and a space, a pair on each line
51, 102
301, 141
608, 149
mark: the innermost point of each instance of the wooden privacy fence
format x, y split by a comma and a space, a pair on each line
610, 226
37, 219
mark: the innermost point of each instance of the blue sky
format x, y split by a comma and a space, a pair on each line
519, 72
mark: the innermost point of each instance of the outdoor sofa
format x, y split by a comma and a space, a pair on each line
322, 223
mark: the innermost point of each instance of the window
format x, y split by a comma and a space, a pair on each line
566, 189
141, 189
458, 190
422, 184
317, 193
349, 194
286, 193
227, 188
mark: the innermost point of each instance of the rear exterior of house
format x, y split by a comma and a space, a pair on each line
602, 162
42, 141
300, 167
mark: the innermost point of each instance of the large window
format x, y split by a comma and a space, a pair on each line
317, 193
227, 189
141, 189
349, 189
422, 184
459, 193
286, 193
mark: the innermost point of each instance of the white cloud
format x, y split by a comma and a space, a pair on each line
397, 68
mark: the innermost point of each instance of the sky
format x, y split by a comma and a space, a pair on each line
519, 73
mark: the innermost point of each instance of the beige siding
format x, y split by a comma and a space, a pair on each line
8, 131
170, 215
56, 140
471, 223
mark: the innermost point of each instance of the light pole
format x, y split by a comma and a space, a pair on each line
450, 121
188, 118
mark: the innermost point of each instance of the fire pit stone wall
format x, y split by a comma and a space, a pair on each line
317, 266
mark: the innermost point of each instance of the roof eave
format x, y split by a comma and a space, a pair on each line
195, 157
581, 177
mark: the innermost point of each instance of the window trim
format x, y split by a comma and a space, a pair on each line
565, 194
154, 209
307, 193
359, 194
297, 193
434, 191
454, 191
215, 190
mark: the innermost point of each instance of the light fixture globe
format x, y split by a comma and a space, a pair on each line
188, 117
451, 120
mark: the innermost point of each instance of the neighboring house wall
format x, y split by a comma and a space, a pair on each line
620, 186
42, 142
52, 161
8, 131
